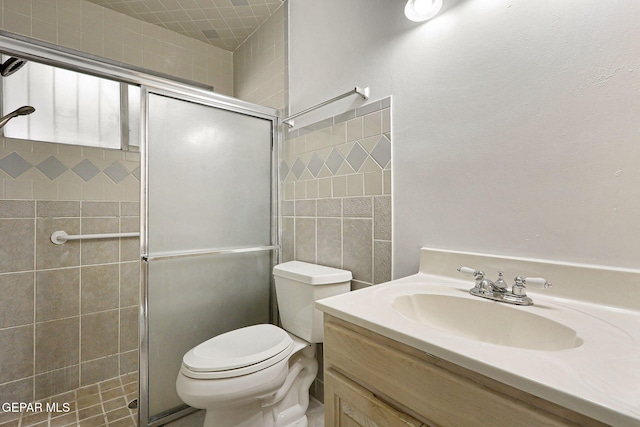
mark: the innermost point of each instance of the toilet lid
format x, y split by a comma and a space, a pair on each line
238, 349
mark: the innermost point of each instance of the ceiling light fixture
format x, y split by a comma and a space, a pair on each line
422, 10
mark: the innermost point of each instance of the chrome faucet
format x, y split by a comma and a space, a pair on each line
499, 291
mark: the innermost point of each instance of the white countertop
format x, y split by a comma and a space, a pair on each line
600, 378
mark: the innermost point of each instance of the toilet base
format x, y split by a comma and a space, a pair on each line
246, 417
302, 422
286, 407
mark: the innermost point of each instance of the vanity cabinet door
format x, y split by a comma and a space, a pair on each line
349, 405
433, 390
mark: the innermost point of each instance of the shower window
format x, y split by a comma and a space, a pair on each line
71, 108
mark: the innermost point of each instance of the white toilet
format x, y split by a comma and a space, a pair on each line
259, 376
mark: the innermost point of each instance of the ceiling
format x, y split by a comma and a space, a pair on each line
222, 23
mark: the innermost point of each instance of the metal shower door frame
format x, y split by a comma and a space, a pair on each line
227, 104
151, 82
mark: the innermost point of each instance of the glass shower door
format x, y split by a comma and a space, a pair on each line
208, 234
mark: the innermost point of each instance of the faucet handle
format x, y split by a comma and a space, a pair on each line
520, 290
468, 271
537, 282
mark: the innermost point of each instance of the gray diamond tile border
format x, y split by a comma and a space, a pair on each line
315, 164
14, 165
356, 157
381, 153
298, 168
116, 172
52, 167
284, 169
334, 161
136, 173
86, 170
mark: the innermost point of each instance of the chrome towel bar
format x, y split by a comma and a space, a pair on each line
59, 237
362, 91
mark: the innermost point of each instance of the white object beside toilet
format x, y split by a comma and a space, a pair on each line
259, 376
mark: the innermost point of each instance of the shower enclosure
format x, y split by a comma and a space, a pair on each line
207, 233
208, 219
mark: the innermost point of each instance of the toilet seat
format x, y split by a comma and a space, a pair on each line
238, 352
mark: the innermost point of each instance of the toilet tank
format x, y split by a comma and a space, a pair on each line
298, 286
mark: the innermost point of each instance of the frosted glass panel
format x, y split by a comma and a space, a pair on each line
194, 299
71, 108
209, 187
209, 177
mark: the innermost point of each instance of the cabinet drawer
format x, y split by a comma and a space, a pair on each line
354, 406
435, 395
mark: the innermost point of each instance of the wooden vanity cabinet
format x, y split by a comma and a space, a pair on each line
371, 380
355, 406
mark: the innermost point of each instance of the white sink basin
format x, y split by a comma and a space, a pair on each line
487, 321
582, 355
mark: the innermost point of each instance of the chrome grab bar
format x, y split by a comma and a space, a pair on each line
59, 237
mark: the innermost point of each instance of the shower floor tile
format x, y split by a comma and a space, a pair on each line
99, 405
106, 405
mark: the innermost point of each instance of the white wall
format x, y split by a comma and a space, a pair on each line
516, 124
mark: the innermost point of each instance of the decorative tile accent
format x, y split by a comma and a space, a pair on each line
116, 172
298, 168
136, 173
86, 170
52, 167
284, 169
356, 157
382, 151
315, 164
14, 165
334, 161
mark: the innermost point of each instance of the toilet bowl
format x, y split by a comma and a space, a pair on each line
260, 375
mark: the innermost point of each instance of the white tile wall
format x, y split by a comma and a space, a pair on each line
260, 64
336, 208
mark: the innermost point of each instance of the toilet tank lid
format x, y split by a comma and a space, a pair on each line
311, 274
